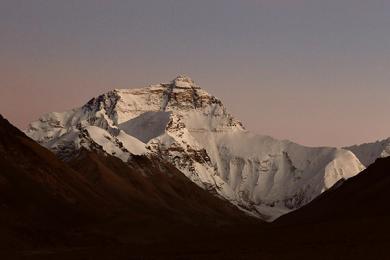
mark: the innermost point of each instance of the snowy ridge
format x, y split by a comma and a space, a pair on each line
369, 152
64, 133
184, 125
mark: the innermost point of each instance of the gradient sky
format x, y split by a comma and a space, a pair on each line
313, 71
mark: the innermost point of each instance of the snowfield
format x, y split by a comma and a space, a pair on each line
186, 126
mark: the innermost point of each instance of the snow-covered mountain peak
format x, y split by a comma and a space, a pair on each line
186, 126
183, 81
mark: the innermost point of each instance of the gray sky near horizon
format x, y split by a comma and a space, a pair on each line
312, 71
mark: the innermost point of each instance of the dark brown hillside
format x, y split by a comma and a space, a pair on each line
361, 198
44, 203
152, 183
40, 197
97, 207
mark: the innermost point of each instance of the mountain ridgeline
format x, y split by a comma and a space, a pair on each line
183, 125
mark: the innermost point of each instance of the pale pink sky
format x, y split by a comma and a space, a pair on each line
315, 72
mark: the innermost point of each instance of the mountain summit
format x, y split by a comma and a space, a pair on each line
182, 124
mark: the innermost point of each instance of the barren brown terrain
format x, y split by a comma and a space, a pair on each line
97, 207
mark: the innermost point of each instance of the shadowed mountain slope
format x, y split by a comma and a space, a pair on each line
98, 207
359, 198
97, 198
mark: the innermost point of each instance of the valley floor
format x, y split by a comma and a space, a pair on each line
364, 239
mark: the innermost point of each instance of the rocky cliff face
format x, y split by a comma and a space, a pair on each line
184, 125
